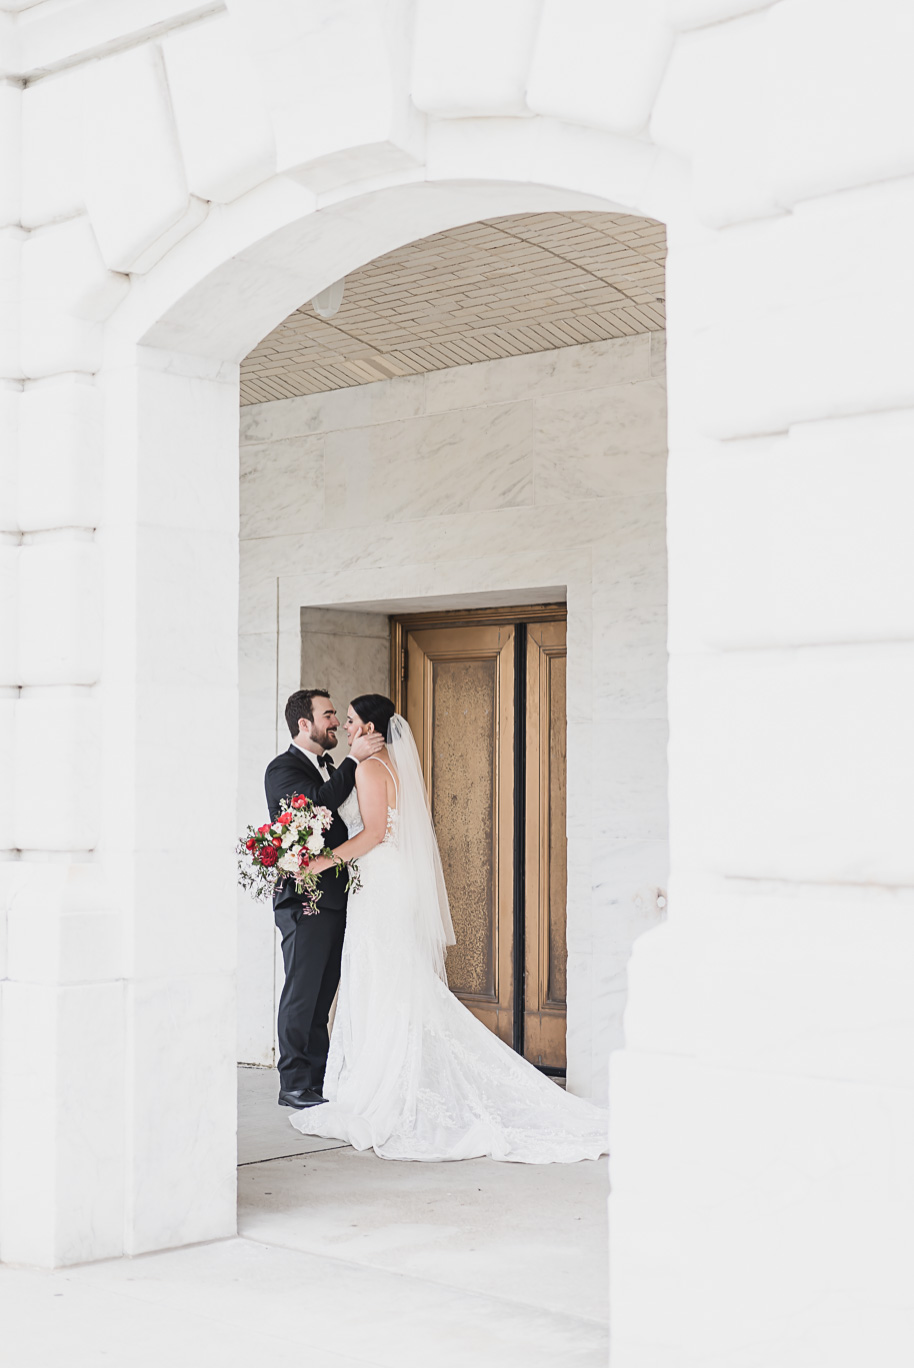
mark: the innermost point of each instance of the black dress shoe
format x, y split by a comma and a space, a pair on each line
305, 1097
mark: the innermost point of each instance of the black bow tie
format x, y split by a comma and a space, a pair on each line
325, 762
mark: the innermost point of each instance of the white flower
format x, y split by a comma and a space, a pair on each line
288, 839
315, 843
289, 863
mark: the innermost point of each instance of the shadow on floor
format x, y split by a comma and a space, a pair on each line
532, 1234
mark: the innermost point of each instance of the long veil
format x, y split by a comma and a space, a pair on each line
427, 893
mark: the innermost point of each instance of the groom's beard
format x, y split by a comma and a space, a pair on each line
325, 739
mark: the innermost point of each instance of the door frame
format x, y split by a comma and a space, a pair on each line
520, 616
402, 624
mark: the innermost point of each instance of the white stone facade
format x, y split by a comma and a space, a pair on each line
176, 177
525, 480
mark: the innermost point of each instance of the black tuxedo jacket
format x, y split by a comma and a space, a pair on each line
292, 772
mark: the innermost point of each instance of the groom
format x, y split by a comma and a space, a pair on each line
312, 946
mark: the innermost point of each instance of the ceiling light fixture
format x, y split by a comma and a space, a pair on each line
328, 301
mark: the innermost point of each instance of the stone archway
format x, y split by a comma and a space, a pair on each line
171, 384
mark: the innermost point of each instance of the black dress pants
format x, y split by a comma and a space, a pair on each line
312, 948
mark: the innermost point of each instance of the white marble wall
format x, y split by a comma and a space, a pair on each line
538, 477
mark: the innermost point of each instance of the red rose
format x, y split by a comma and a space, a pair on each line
285, 818
298, 800
262, 831
250, 843
277, 840
268, 856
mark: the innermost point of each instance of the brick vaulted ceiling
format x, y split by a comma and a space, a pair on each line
502, 287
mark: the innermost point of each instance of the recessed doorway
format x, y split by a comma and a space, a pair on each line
484, 691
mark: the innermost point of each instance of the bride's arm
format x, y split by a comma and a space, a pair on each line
371, 786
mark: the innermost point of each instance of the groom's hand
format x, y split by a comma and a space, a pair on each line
368, 743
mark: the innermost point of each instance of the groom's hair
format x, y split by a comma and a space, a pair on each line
300, 704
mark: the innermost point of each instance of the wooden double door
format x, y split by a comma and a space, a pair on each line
484, 693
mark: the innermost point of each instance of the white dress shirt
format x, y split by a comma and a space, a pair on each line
316, 760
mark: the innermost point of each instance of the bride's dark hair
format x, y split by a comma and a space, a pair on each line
374, 708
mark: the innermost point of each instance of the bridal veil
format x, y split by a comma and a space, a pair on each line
429, 910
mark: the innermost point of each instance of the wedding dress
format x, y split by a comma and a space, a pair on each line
411, 1073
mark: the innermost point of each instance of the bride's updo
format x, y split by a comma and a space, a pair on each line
374, 708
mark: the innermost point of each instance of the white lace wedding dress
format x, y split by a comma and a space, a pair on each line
411, 1073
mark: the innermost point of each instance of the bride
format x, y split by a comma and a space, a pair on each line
411, 1073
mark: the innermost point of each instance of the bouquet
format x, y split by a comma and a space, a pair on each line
285, 849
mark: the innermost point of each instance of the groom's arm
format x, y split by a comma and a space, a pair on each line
284, 777
338, 787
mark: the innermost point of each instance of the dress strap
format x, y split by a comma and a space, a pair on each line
387, 767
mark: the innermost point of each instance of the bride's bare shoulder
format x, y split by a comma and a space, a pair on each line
376, 773
369, 774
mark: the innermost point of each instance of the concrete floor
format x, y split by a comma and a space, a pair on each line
343, 1261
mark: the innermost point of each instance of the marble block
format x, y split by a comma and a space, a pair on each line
608, 443
475, 459
455, 74
568, 369
826, 735
60, 455
181, 1118
64, 925
60, 581
180, 904
66, 291
43, 716
256, 994
630, 659
355, 406
52, 147
10, 559
293, 469
352, 117
812, 529
175, 743
186, 430
135, 189
746, 953
827, 138
225, 133
8, 700
10, 400
751, 370
61, 1134
748, 1201
187, 571
347, 663
11, 240
715, 107
10, 154
575, 43
684, 15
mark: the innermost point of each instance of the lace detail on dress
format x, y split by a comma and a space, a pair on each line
349, 811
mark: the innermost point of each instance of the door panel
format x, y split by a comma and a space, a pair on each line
459, 703
455, 681
464, 774
546, 847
